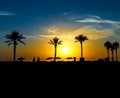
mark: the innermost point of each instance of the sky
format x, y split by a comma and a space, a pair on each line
41, 20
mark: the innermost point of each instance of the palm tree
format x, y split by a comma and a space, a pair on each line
55, 41
116, 46
108, 45
81, 38
14, 38
112, 50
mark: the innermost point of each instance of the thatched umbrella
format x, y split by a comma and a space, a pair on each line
21, 59
57, 58
69, 58
49, 58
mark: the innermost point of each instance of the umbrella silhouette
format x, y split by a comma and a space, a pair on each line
68, 58
58, 58
49, 58
21, 59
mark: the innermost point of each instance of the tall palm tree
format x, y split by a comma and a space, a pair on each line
81, 38
14, 38
108, 45
116, 46
112, 50
55, 41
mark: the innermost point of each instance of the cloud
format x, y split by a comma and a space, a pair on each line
53, 30
58, 31
41, 35
93, 33
90, 20
65, 13
33, 37
96, 19
99, 29
90, 31
47, 36
5, 13
66, 36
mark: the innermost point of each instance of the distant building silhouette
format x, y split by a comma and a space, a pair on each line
33, 59
38, 59
74, 59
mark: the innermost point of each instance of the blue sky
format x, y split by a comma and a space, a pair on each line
47, 18
35, 16
25, 13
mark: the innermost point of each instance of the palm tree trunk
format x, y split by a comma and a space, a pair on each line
108, 54
14, 50
112, 55
81, 50
55, 53
116, 55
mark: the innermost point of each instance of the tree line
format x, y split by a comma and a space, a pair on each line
15, 37
112, 46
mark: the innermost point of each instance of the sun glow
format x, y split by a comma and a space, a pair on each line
65, 51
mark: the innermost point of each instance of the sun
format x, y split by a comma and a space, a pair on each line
65, 51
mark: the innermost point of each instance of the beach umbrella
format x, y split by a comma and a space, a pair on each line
58, 58
68, 58
21, 58
49, 58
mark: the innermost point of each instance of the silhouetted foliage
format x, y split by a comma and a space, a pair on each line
112, 50
14, 38
113, 46
108, 45
81, 38
116, 46
55, 41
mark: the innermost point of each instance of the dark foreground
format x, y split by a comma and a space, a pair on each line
58, 69
86, 63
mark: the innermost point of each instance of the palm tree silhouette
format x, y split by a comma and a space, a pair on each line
116, 46
55, 41
112, 50
108, 45
81, 38
14, 38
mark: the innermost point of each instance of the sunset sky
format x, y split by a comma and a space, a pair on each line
41, 20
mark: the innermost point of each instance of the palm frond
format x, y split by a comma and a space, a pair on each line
80, 38
116, 44
7, 41
51, 42
8, 36
60, 42
108, 45
14, 38
9, 44
76, 41
55, 40
22, 42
